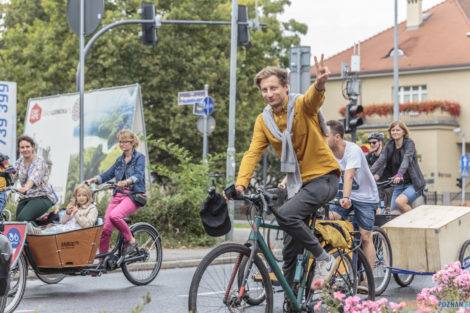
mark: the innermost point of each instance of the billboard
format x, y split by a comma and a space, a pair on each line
8, 119
53, 122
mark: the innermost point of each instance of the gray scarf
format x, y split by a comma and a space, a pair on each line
289, 162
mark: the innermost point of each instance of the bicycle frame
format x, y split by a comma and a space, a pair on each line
259, 244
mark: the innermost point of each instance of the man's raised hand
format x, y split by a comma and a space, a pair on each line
322, 73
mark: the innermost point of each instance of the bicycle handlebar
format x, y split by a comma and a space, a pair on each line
105, 186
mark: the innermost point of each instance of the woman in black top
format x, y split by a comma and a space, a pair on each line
399, 157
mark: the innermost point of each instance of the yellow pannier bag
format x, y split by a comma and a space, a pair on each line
335, 233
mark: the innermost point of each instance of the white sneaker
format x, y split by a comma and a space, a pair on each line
324, 270
30, 229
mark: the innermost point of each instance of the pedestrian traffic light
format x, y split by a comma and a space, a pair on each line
459, 182
353, 120
243, 29
149, 30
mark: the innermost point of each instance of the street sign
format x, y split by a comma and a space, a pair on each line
93, 13
191, 97
210, 124
464, 166
198, 108
208, 104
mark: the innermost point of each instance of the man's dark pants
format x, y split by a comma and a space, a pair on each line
292, 217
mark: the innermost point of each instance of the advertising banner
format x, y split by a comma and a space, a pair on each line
8, 119
53, 122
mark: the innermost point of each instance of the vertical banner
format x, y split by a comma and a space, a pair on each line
8, 119
53, 122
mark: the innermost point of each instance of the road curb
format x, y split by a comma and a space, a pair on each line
180, 263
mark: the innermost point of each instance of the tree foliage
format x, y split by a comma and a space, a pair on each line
40, 53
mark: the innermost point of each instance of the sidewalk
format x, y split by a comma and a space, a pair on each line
177, 258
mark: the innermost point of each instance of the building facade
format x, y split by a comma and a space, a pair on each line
434, 66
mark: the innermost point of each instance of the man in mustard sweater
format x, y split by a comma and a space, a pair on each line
291, 123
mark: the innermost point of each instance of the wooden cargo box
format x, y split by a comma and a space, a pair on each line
68, 249
428, 237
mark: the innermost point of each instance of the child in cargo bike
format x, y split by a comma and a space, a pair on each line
80, 213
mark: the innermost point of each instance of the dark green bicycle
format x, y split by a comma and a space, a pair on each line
238, 278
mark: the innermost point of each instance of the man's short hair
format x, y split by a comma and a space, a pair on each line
270, 71
336, 127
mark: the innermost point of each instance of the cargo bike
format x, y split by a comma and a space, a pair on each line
73, 253
423, 240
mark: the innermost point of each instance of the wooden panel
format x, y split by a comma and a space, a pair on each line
75, 246
44, 249
428, 237
95, 244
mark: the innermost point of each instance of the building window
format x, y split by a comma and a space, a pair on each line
412, 93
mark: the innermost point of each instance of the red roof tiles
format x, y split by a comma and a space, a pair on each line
440, 41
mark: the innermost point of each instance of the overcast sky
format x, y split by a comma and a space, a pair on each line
335, 25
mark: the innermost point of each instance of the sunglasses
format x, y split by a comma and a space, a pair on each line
373, 142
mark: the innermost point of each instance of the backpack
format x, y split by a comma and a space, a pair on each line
335, 233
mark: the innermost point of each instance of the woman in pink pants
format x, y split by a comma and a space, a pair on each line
129, 173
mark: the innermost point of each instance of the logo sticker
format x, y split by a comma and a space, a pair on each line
14, 236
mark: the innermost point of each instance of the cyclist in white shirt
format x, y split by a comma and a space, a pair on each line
357, 187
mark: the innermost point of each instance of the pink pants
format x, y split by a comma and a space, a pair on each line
120, 207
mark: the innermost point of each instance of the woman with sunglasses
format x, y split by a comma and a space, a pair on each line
129, 172
399, 157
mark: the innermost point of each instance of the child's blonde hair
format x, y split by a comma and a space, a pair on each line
86, 189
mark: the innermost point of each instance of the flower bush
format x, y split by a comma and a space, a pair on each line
453, 287
451, 107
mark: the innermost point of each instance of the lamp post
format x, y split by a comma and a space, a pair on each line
462, 133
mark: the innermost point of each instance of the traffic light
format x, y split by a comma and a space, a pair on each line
353, 120
243, 29
459, 182
149, 31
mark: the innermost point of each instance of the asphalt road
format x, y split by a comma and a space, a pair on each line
112, 293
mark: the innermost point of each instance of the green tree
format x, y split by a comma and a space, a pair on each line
40, 53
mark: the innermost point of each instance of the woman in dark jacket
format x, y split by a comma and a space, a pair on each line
399, 157
129, 172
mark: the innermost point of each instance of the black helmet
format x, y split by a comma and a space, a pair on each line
376, 135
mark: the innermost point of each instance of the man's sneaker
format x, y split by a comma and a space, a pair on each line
324, 270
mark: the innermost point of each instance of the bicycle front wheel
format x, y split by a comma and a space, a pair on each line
464, 256
50, 279
366, 286
383, 260
215, 284
148, 253
18, 276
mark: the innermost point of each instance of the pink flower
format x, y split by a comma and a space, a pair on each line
317, 284
397, 306
339, 295
317, 306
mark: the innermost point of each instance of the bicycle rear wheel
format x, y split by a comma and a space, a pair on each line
349, 274
383, 260
149, 252
215, 288
18, 276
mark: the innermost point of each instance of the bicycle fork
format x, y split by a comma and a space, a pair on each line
246, 273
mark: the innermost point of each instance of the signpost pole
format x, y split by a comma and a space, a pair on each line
464, 167
205, 143
82, 83
231, 116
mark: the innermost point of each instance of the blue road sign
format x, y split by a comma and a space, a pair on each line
464, 166
208, 103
